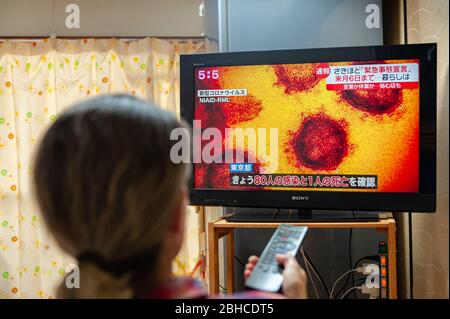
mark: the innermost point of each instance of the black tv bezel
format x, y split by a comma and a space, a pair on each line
423, 201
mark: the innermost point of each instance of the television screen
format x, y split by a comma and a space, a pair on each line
303, 128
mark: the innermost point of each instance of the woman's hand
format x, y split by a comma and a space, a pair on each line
294, 277
252, 260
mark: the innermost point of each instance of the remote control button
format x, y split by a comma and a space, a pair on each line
265, 268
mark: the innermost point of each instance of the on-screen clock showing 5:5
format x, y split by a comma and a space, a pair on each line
208, 74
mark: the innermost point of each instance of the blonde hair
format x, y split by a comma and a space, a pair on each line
107, 190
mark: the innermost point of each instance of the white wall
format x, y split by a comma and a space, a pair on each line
122, 18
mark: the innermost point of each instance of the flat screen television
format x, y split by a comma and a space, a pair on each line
336, 128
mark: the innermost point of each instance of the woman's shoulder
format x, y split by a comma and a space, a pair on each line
253, 294
190, 288
180, 287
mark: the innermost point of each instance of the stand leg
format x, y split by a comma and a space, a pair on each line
392, 260
230, 261
213, 259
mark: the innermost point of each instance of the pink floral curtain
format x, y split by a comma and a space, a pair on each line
37, 81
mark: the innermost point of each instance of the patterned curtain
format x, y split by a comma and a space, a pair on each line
37, 81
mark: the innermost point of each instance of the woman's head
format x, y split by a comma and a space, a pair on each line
110, 193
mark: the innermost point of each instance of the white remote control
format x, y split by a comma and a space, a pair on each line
267, 274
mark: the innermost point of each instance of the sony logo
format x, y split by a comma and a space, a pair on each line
300, 197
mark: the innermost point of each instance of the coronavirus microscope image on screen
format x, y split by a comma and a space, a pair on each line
341, 126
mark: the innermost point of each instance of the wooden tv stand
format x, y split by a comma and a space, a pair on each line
222, 228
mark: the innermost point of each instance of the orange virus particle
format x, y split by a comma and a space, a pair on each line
320, 143
241, 109
374, 101
296, 77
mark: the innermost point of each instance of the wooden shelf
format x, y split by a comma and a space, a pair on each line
222, 228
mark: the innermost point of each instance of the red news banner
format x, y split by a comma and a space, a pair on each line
370, 76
